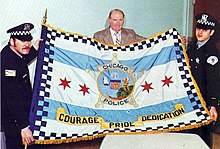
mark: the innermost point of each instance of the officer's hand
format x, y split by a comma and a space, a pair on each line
27, 136
213, 113
184, 39
37, 44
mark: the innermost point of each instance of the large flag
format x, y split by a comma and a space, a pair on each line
85, 89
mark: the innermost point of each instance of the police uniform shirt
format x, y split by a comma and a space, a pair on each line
204, 65
16, 88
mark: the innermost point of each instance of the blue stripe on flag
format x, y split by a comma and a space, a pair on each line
82, 61
115, 115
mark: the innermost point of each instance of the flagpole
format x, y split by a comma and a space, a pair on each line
45, 18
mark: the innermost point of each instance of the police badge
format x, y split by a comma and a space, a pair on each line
116, 84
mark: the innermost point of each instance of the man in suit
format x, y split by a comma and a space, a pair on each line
16, 91
115, 34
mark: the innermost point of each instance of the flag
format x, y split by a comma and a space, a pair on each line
84, 89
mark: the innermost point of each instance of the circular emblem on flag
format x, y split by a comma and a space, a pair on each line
115, 84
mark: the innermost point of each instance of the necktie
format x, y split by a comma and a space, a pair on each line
117, 41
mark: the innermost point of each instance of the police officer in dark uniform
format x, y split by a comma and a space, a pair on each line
204, 63
16, 91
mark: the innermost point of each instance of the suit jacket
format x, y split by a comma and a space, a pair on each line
127, 36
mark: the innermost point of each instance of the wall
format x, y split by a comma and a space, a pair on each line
147, 17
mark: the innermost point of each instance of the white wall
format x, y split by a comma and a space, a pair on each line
146, 17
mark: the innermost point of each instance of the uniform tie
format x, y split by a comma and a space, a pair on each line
117, 41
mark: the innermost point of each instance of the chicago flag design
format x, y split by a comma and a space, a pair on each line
84, 89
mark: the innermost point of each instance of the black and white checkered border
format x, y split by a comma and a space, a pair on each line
172, 33
20, 33
53, 34
188, 84
46, 71
45, 84
54, 136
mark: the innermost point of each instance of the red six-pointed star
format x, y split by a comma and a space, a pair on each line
167, 81
147, 87
84, 89
65, 83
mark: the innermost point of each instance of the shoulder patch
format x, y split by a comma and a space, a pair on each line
212, 60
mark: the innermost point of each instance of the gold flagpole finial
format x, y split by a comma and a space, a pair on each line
45, 17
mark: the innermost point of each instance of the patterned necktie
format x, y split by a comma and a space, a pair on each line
197, 46
117, 41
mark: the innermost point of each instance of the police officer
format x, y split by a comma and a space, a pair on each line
204, 65
16, 88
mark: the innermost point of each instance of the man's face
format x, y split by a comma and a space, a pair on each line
203, 34
22, 47
116, 21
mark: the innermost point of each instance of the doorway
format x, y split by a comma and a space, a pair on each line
211, 7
